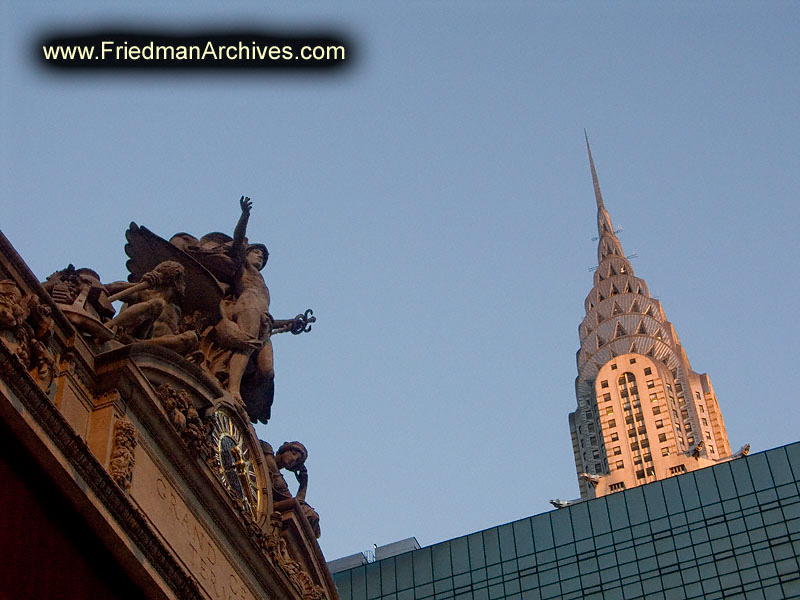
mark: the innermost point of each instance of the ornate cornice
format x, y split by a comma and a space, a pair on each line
94, 477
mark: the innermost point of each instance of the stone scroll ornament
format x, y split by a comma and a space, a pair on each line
223, 300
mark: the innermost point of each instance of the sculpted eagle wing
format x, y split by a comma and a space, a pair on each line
146, 250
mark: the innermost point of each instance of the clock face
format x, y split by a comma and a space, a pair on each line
235, 460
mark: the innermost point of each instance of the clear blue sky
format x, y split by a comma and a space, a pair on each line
433, 205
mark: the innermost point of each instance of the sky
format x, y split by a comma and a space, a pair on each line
432, 203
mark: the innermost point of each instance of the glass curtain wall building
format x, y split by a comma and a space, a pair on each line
728, 531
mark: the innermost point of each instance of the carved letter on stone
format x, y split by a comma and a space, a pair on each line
122, 454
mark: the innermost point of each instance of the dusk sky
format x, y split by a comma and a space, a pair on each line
432, 203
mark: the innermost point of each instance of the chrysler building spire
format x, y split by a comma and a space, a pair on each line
643, 414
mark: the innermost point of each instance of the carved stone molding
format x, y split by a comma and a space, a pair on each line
122, 455
88, 468
186, 420
277, 550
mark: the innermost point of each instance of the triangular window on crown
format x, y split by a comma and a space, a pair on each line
632, 349
611, 270
614, 354
614, 289
635, 307
649, 311
627, 288
641, 329
616, 310
619, 331
651, 352
600, 296
659, 335
600, 342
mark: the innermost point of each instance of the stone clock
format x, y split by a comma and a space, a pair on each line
235, 459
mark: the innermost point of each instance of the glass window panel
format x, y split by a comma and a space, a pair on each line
373, 573
342, 581
598, 513
654, 498
388, 584
673, 495
707, 486
617, 511
741, 476
505, 535
460, 555
562, 528
358, 584
405, 578
724, 477
759, 472
688, 491
422, 566
523, 537
793, 452
476, 558
440, 555
581, 528
636, 508
491, 547
542, 534
779, 465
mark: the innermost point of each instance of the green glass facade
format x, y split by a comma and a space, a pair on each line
728, 531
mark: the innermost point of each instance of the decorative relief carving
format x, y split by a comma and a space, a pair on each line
122, 455
186, 420
25, 327
277, 550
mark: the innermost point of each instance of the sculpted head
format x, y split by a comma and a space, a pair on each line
291, 456
257, 255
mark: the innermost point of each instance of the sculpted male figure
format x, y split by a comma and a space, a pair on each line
250, 311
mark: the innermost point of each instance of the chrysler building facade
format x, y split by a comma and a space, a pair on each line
643, 414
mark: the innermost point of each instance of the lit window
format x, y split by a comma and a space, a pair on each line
651, 471
669, 388
648, 371
678, 469
615, 487
614, 436
711, 449
653, 397
665, 451
610, 410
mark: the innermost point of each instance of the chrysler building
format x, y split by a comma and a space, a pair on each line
643, 414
